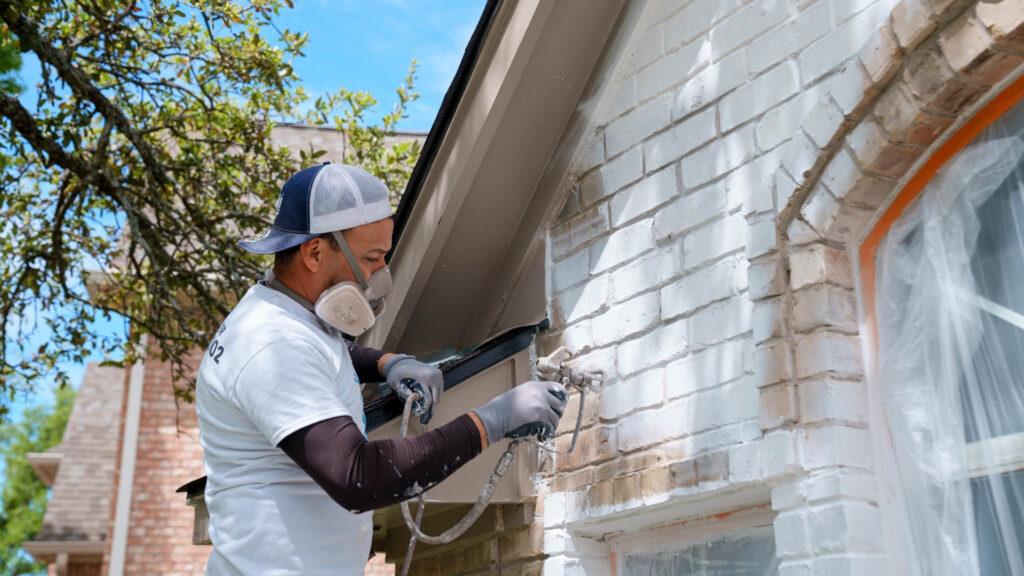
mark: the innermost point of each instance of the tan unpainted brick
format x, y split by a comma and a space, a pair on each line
626, 488
600, 494
683, 474
572, 480
654, 481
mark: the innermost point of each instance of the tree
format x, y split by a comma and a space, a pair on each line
148, 154
23, 500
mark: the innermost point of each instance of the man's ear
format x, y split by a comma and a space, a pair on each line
312, 252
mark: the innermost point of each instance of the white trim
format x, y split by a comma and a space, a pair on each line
996, 455
129, 448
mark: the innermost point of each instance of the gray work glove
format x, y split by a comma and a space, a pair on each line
404, 372
531, 409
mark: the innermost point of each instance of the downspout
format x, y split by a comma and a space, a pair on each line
126, 477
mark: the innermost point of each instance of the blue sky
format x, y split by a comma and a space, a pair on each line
358, 45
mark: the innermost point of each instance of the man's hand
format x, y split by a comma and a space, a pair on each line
401, 367
531, 409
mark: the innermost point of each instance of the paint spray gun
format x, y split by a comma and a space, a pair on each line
416, 392
558, 367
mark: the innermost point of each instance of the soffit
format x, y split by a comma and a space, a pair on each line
464, 252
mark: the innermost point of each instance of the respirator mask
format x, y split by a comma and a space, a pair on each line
353, 307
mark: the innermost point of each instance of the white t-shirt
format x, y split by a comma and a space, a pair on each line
274, 368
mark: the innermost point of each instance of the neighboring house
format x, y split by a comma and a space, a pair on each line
706, 199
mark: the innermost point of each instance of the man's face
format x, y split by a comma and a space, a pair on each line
369, 243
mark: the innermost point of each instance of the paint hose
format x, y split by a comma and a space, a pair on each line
504, 463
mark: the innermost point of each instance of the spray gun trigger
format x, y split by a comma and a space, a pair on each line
535, 429
417, 406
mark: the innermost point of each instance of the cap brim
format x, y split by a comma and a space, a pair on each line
273, 240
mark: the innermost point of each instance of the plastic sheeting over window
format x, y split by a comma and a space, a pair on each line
950, 309
750, 553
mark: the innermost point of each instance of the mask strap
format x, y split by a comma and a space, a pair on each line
351, 258
272, 282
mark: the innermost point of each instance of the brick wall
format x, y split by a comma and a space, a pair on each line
703, 262
665, 272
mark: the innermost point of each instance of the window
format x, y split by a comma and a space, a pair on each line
950, 316
741, 545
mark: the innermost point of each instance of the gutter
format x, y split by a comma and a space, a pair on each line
442, 121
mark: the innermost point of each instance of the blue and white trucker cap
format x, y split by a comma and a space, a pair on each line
320, 199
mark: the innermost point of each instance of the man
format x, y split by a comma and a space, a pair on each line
291, 475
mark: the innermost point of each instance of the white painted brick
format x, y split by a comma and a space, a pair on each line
651, 427
557, 541
554, 509
636, 125
823, 122
717, 438
577, 336
626, 319
845, 9
579, 230
612, 177
649, 271
747, 24
698, 289
881, 54
772, 362
846, 527
789, 495
828, 352
829, 52
826, 398
767, 320
623, 97
867, 141
720, 322
799, 155
800, 233
821, 209
621, 246
851, 565
689, 211
782, 122
842, 483
661, 344
841, 174
714, 240
671, 69
850, 86
710, 85
680, 140
719, 157
792, 536
644, 196
705, 369
766, 278
813, 23
745, 462
603, 359
752, 184
911, 22
778, 453
591, 152
798, 568
583, 300
718, 407
824, 305
650, 46
761, 237
759, 95
696, 19
771, 48
819, 263
572, 270
642, 391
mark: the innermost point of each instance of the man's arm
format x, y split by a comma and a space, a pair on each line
368, 362
362, 475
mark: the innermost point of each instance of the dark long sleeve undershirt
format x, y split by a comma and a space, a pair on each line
362, 475
364, 360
